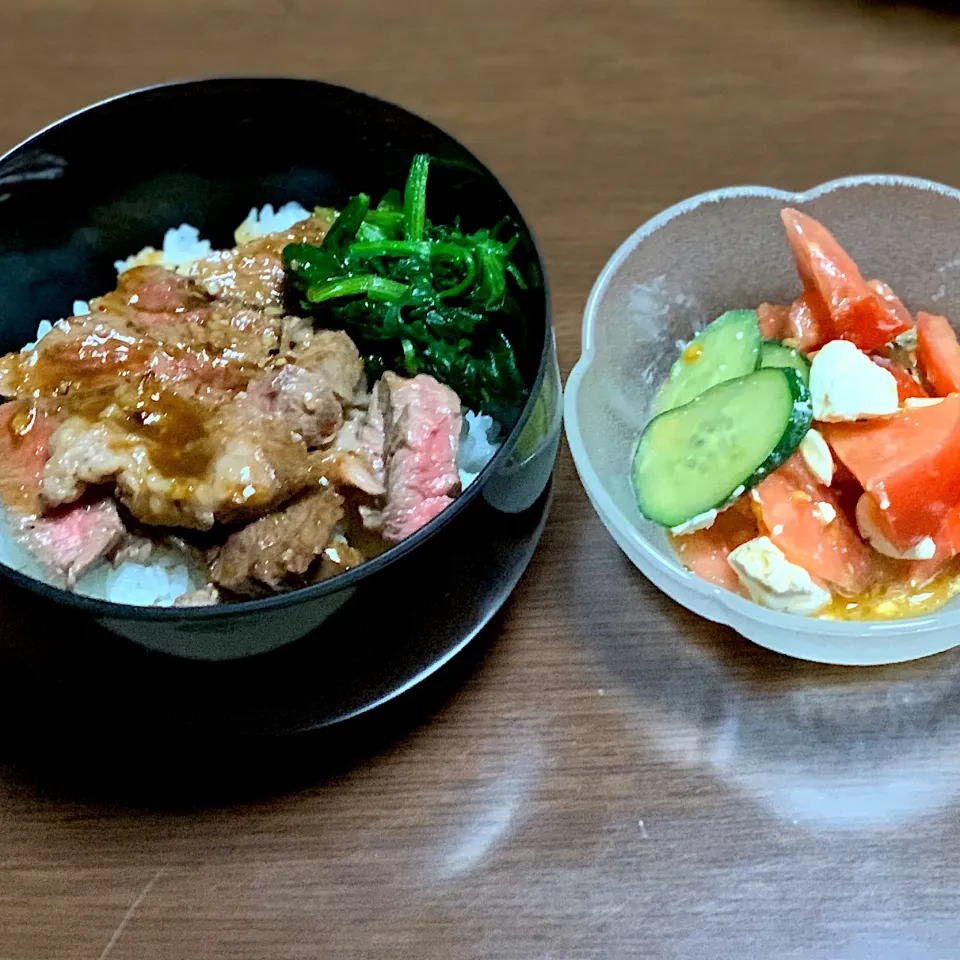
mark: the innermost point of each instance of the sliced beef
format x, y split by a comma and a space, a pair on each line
83, 360
253, 272
302, 399
422, 423
196, 469
26, 430
309, 391
70, 541
356, 457
333, 357
153, 296
282, 551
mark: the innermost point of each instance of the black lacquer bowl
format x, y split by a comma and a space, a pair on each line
111, 179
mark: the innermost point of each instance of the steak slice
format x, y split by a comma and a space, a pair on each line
25, 433
309, 391
422, 424
253, 272
189, 469
282, 551
69, 541
333, 357
355, 458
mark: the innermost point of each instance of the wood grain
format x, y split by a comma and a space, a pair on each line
616, 778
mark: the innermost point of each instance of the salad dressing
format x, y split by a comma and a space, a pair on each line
897, 601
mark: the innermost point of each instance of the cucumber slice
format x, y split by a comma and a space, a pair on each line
725, 349
773, 353
696, 457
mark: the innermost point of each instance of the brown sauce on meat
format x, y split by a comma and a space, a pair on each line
367, 542
175, 430
89, 364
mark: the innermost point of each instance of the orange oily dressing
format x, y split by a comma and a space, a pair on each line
898, 601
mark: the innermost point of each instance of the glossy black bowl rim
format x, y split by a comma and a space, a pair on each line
351, 578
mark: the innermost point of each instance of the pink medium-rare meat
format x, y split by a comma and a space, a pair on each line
422, 422
69, 541
281, 551
211, 349
154, 296
26, 430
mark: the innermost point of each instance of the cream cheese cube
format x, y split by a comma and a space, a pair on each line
845, 384
773, 581
817, 456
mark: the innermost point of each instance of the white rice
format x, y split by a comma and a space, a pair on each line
479, 441
181, 247
166, 576
261, 222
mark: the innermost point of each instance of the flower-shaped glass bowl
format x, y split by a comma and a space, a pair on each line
708, 254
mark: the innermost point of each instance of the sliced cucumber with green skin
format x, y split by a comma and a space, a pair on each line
773, 353
725, 349
695, 458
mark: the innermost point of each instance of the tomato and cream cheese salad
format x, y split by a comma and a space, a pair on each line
807, 455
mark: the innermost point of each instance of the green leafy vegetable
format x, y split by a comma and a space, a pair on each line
420, 297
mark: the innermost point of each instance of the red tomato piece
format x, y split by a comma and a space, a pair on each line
807, 327
909, 463
938, 353
857, 312
947, 540
705, 552
907, 385
774, 319
894, 303
790, 506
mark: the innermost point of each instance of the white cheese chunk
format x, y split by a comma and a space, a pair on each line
924, 550
912, 402
817, 456
845, 384
775, 582
825, 512
702, 521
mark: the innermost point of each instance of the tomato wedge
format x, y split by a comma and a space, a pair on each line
807, 329
791, 503
894, 303
909, 463
907, 386
705, 552
938, 353
947, 540
774, 319
857, 312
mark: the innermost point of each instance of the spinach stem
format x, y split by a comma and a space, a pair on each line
415, 198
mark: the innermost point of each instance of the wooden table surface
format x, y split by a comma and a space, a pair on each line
615, 778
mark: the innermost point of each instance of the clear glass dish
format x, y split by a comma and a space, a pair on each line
711, 253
